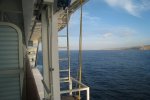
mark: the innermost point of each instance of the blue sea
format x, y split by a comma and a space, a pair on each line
113, 74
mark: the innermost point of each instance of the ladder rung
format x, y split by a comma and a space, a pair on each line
64, 78
65, 70
62, 35
64, 81
62, 17
62, 23
61, 59
62, 47
63, 14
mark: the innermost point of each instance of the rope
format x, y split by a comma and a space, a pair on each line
80, 50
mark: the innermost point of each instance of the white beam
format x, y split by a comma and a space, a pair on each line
45, 47
27, 6
53, 35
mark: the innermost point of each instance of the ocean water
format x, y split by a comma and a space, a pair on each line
113, 75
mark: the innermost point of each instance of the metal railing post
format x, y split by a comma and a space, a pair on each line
70, 86
88, 93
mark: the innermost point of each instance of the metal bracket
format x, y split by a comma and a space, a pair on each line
46, 88
51, 69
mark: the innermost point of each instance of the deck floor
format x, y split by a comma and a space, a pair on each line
68, 98
38, 80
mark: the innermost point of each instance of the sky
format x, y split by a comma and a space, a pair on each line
109, 24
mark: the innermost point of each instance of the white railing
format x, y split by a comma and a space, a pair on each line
83, 88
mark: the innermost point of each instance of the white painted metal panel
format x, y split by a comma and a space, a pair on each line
10, 62
8, 43
9, 87
28, 6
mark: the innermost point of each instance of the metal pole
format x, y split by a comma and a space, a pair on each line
2, 16
53, 49
80, 51
68, 51
88, 93
49, 19
45, 46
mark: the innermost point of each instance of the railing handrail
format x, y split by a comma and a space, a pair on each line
83, 88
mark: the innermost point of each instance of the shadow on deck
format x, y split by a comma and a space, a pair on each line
30, 91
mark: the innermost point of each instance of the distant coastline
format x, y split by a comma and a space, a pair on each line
145, 47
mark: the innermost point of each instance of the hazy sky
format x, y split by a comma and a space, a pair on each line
111, 24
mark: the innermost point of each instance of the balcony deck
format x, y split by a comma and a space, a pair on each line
68, 98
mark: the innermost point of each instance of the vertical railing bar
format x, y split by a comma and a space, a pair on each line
88, 93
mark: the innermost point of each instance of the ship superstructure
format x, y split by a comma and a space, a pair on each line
23, 25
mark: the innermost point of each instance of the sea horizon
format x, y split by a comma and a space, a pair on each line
113, 75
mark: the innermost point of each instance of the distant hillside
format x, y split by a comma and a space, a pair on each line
131, 48
146, 47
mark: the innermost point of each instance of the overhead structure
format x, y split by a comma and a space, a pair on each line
25, 23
